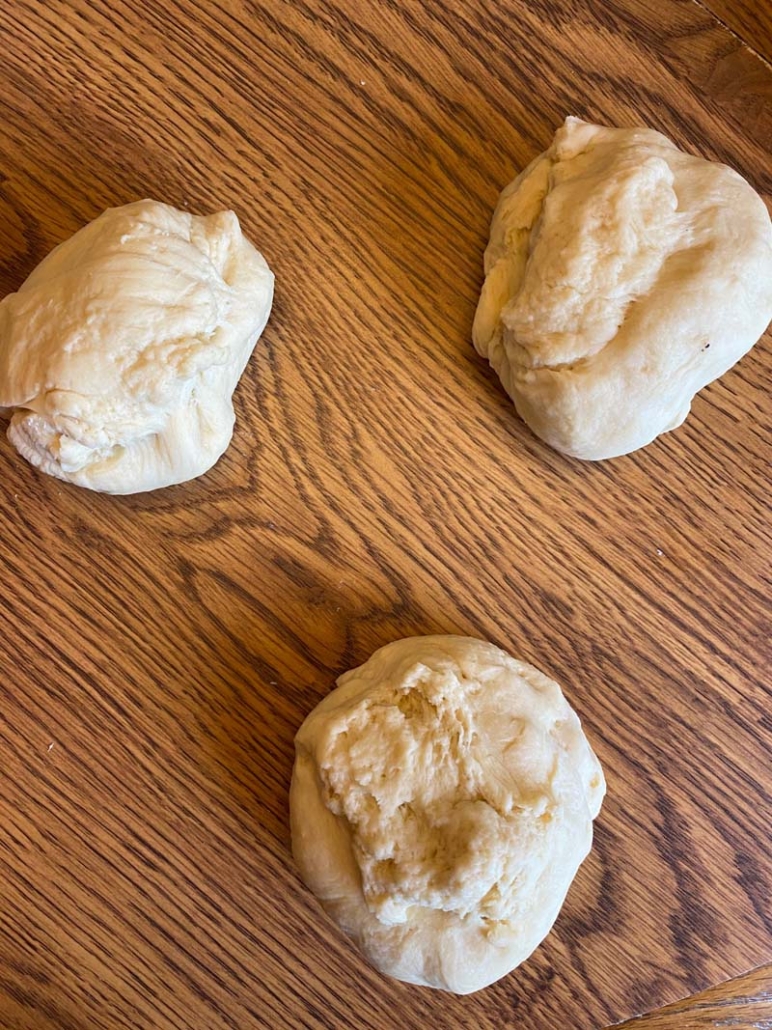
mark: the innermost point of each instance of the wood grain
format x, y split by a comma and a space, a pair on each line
751, 20
742, 1004
158, 652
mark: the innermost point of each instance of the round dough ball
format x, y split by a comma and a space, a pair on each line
120, 353
442, 801
621, 277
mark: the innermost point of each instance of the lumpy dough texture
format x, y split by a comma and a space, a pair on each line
442, 800
622, 276
120, 353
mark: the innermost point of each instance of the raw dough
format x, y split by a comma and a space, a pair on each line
121, 351
622, 276
442, 801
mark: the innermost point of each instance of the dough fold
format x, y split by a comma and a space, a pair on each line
442, 801
621, 277
120, 353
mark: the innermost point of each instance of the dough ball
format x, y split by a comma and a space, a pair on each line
621, 277
442, 801
120, 353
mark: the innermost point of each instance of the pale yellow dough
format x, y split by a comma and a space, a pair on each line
120, 353
442, 801
621, 277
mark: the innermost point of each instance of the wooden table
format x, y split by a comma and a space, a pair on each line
159, 651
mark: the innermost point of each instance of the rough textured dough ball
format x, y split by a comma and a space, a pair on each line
120, 353
442, 801
622, 276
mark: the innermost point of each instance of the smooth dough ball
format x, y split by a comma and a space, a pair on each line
120, 353
622, 276
442, 801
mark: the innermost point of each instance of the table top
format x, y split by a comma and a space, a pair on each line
158, 652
